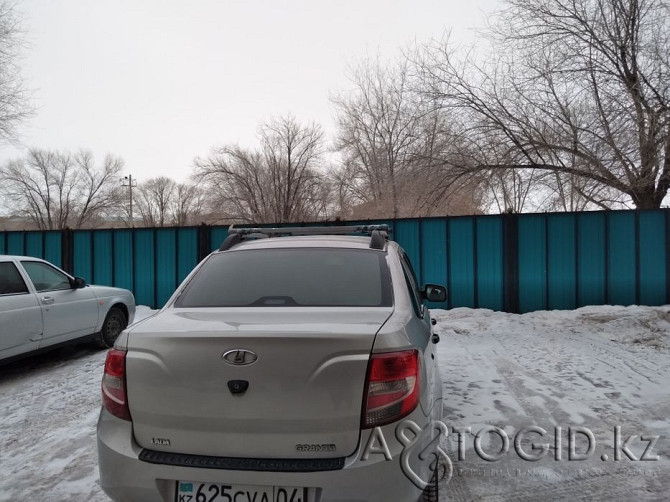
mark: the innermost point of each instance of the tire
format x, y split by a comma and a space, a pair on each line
431, 492
114, 324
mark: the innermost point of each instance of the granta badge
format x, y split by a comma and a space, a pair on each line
315, 448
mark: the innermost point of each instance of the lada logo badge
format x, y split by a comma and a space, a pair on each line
240, 357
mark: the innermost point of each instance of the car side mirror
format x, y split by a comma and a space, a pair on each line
434, 293
78, 283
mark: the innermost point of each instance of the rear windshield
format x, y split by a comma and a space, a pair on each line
290, 277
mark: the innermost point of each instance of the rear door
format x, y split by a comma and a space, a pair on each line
20, 313
67, 313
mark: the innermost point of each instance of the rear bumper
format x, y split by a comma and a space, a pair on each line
126, 478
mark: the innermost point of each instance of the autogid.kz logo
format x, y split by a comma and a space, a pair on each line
530, 444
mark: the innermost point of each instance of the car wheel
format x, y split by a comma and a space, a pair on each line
430, 493
115, 322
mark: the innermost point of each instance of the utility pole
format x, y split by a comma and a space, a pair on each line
127, 181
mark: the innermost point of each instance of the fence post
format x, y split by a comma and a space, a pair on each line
67, 250
204, 241
511, 262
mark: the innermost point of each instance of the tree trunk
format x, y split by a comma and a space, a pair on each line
646, 199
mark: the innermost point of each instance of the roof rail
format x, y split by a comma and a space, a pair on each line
378, 233
230, 241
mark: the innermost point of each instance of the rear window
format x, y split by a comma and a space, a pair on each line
289, 278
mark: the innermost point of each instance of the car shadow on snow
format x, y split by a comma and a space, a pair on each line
21, 366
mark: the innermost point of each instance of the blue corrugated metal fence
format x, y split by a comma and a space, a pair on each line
515, 263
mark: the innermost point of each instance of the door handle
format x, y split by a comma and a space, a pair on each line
47, 300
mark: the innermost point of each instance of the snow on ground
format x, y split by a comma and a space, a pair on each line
50, 405
596, 367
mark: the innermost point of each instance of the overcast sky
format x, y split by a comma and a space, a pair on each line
159, 82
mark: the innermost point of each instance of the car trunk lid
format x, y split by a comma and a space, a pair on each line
305, 389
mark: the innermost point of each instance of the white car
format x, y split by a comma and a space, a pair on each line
41, 306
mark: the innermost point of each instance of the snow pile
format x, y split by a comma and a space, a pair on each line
630, 326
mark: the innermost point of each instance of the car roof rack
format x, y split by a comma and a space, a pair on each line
378, 233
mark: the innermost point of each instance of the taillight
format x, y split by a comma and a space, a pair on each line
392, 387
114, 395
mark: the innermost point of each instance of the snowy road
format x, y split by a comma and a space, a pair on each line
596, 368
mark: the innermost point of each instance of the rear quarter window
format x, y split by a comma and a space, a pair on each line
11, 282
306, 277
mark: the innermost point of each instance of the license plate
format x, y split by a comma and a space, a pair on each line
188, 491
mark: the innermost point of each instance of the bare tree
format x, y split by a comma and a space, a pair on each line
14, 107
580, 88
378, 130
189, 201
394, 147
163, 202
153, 200
97, 194
60, 189
280, 182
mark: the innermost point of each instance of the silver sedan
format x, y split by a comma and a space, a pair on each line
299, 368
